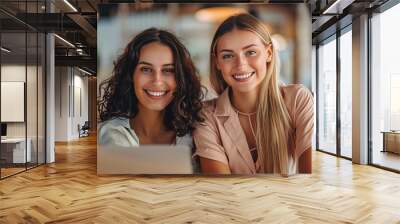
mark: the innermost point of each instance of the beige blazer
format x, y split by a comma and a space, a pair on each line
222, 138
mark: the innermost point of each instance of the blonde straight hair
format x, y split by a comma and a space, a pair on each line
273, 120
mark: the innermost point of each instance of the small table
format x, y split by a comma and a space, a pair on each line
391, 141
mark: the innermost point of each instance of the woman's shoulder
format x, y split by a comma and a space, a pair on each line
114, 123
298, 99
116, 131
294, 94
209, 107
295, 90
185, 140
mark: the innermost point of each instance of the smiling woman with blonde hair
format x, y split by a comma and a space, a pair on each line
256, 125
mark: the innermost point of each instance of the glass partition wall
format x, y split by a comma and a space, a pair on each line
346, 93
334, 94
22, 79
385, 89
327, 95
334, 90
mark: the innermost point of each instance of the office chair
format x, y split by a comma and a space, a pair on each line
84, 130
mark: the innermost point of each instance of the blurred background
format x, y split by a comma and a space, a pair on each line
195, 25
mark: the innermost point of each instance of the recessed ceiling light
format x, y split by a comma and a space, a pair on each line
70, 5
65, 41
84, 71
5, 50
337, 7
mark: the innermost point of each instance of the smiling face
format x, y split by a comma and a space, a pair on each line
242, 58
154, 77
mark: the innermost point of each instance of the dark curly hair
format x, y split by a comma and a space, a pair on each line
119, 98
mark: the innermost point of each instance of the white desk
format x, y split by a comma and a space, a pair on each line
17, 146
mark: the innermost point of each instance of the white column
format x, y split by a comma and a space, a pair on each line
50, 93
360, 90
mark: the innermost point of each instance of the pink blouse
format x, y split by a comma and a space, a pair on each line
222, 138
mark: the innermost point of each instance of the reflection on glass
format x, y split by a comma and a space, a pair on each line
327, 97
385, 86
13, 83
346, 94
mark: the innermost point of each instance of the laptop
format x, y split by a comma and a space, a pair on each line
145, 159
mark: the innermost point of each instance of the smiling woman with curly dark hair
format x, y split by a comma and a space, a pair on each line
154, 95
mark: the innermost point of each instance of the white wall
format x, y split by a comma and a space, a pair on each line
61, 103
79, 117
70, 83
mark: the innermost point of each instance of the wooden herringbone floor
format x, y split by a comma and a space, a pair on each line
69, 191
